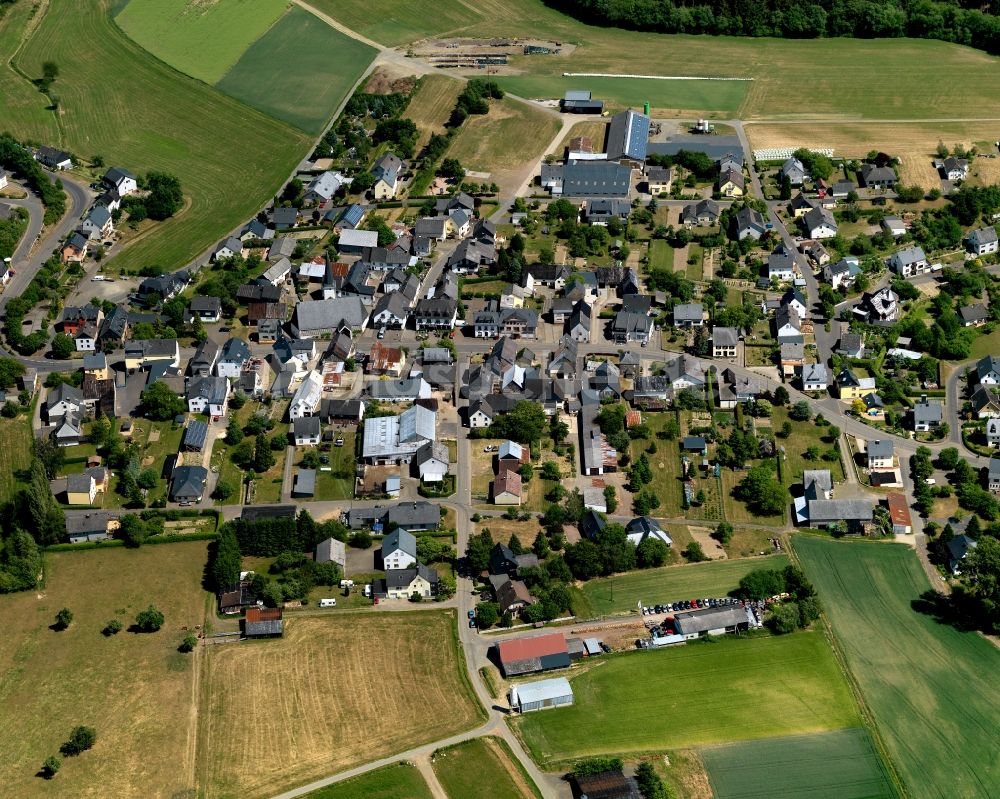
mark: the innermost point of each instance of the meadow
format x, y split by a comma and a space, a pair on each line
732, 689
431, 105
135, 689
396, 22
15, 455
229, 158
481, 768
318, 69
835, 765
930, 688
202, 40
20, 100
390, 782
318, 686
621, 593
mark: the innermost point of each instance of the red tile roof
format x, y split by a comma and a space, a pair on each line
263, 614
527, 648
899, 511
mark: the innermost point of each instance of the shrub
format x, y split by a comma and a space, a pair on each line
51, 767
80, 740
189, 643
113, 627
149, 620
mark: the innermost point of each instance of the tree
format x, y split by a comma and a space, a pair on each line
477, 552
223, 490
51, 767
160, 403
800, 411
10, 371
113, 627
650, 553
451, 168
761, 584
723, 533
762, 492
63, 346
360, 539
783, 618
242, 454
540, 546
263, 457
487, 614
189, 643
948, 459
780, 396
234, 433
63, 619
80, 740
694, 553
50, 71
164, 196
526, 471
551, 471
149, 620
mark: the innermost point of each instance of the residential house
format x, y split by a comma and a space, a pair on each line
880, 307
436, 314
606, 381
959, 548
206, 355
91, 525
690, 314
781, 265
749, 223
630, 326
512, 596
982, 241
75, 248
208, 395
993, 433
814, 377
469, 255
927, 415
68, 430
306, 431
680, 373
993, 475
386, 171
602, 210
145, 353
76, 317
909, 262
793, 171
551, 276
952, 168
725, 340
321, 188
796, 300
235, 353
431, 461
53, 158
731, 183
306, 400
384, 360
278, 272
97, 224
580, 322
331, 550
659, 179
391, 311
484, 410
404, 583
506, 488
787, 325
800, 205
314, 318
187, 483
841, 273
702, 213
230, 247
988, 370
852, 387
409, 389
819, 224
114, 329
894, 226
255, 231
643, 527
399, 550
879, 454
791, 357
461, 201
285, 217
973, 315
876, 177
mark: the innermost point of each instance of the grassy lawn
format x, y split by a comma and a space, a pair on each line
267, 486
622, 593
338, 483
432, 103
229, 158
665, 464
842, 763
202, 41
985, 345
930, 688
481, 769
19, 99
390, 782
324, 667
661, 255
15, 454
319, 67
695, 271
645, 701
736, 511
136, 690
804, 435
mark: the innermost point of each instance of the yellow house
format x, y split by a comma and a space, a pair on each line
851, 387
731, 183
81, 489
96, 365
386, 172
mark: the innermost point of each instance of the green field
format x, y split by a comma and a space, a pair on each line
480, 769
703, 693
694, 95
395, 22
19, 99
135, 689
391, 782
15, 455
661, 255
299, 71
931, 688
833, 765
804, 435
669, 584
202, 40
229, 158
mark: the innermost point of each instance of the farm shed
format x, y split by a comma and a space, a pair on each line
263, 623
899, 512
541, 694
538, 653
711, 621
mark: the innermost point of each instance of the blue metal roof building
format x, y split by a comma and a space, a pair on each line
628, 136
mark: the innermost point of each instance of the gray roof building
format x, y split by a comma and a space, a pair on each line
304, 484
321, 316
628, 136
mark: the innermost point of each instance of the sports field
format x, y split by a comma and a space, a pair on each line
703, 693
431, 105
299, 71
346, 689
202, 40
391, 782
481, 769
136, 690
834, 765
671, 583
20, 100
931, 689
229, 158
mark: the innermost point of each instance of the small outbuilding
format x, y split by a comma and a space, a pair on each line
541, 694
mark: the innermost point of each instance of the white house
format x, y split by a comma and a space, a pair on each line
982, 241
121, 180
993, 433
98, 223
399, 550
814, 377
228, 248
880, 454
386, 172
432, 461
208, 395
235, 353
909, 262
780, 265
306, 431
86, 339
307, 397
820, 224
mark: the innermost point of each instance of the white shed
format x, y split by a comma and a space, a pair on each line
541, 694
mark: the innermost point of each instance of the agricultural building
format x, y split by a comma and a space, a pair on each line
541, 694
711, 621
529, 655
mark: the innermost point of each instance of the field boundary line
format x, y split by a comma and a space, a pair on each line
650, 77
867, 716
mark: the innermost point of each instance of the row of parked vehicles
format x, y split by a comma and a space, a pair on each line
690, 604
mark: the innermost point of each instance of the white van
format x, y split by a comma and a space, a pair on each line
328, 603
368, 589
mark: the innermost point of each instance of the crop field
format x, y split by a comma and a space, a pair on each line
596, 131
15, 455
930, 688
505, 141
202, 40
481, 769
390, 782
135, 689
670, 583
396, 22
329, 697
835, 765
914, 143
229, 158
431, 105
733, 689
19, 99
318, 68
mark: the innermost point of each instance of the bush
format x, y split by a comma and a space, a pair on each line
149, 620
80, 740
189, 643
63, 619
51, 767
361, 539
113, 627
694, 553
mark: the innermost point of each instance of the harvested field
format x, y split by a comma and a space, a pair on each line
432, 104
331, 698
913, 142
136, 690
595, 131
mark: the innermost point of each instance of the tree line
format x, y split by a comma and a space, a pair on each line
18, 159
965, 22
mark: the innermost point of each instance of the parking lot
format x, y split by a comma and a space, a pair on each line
659, 619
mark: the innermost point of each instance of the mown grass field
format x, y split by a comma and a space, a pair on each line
391, 782
432, 103
732, 690
202, 40
931, 688
15, 455
804, 435
136, 690
335, 685
229, 158
481, 769
661, 255
916, 79
19, 99
670, 584
835, 765
299, 71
